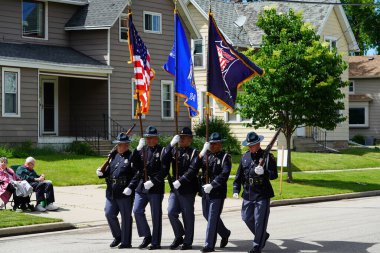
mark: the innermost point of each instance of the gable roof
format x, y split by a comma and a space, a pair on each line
226, 13
97, 14
364, 66
49, 57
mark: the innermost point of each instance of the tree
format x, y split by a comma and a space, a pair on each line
302, 84
365, 23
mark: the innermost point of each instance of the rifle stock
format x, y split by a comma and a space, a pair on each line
269, 147
113, 150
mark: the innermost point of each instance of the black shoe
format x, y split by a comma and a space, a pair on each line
147, 240
153, 247
115, 243
266, 238
177, 241
186, 247
253, 250
205, 249
224, 241
125, 246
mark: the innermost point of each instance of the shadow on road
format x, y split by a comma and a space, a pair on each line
294, 246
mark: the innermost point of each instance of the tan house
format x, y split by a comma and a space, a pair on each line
364, 90
65, 72
238, 23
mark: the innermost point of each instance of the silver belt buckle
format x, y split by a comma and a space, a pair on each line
250, 181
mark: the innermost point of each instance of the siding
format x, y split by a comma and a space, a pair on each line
11, 23
159, 46
24, 128
92, 43
334, 29
369, 87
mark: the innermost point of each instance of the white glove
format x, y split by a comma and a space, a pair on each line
206, 147
175, 140
207, 188
141, 144
148, 184
99, 173
127, 191
176, 184
235, 195
259, 170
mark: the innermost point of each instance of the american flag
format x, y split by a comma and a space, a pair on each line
144, 74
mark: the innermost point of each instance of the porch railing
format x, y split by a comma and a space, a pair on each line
320, 136
85, 131
115, 127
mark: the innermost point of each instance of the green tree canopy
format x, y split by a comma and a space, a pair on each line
302, 85
365, 23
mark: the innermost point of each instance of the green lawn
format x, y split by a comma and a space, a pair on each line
347, 159
14, 219
325, 183
66, 170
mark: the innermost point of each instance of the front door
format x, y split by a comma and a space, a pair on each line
49, 106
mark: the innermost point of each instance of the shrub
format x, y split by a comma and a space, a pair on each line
231, 145
80, 148
359, 139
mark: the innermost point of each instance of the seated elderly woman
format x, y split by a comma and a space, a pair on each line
7, 176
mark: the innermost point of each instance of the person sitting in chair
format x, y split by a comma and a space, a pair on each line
43, 188
7, 179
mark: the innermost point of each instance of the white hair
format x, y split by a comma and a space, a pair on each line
30, 160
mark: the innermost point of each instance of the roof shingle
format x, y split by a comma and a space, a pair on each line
97, 14
364, 66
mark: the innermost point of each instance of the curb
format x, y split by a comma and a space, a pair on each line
308, 200
59, 226
37, 228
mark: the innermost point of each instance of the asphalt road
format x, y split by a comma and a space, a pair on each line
346, 226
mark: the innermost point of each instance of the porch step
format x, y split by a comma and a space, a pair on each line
105, 147
304, 144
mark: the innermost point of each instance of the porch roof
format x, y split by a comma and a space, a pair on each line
360, 98
49, 57
97, 14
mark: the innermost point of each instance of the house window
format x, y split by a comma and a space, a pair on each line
134, 100
123, 25
34, 19
332, 42
235, 117
351, 87
198, 53
358, 116
203, 106
167, 100
10, 92
152, 22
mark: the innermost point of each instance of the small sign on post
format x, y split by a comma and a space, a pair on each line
282, 160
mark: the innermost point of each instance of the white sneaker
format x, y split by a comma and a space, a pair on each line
2, 205
51, 207
40, 208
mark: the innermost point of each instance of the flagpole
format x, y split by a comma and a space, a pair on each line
208, 101
176, 97
142, 136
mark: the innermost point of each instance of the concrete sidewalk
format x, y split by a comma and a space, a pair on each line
83, 206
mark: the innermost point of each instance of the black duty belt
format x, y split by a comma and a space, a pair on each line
120, 181
255, 181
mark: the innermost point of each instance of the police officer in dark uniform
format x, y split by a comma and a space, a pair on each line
118, 175
214, 180
182, 197
257, 190
150, 188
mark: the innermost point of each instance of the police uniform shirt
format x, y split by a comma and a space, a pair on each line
187, 168
219, 169
119, 174
156, 170
255, 187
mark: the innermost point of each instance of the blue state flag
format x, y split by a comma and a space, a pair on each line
227, 68
180, 65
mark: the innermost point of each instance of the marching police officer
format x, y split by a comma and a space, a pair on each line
118, 175
150, 188
257, 189
182, 197
214, 180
